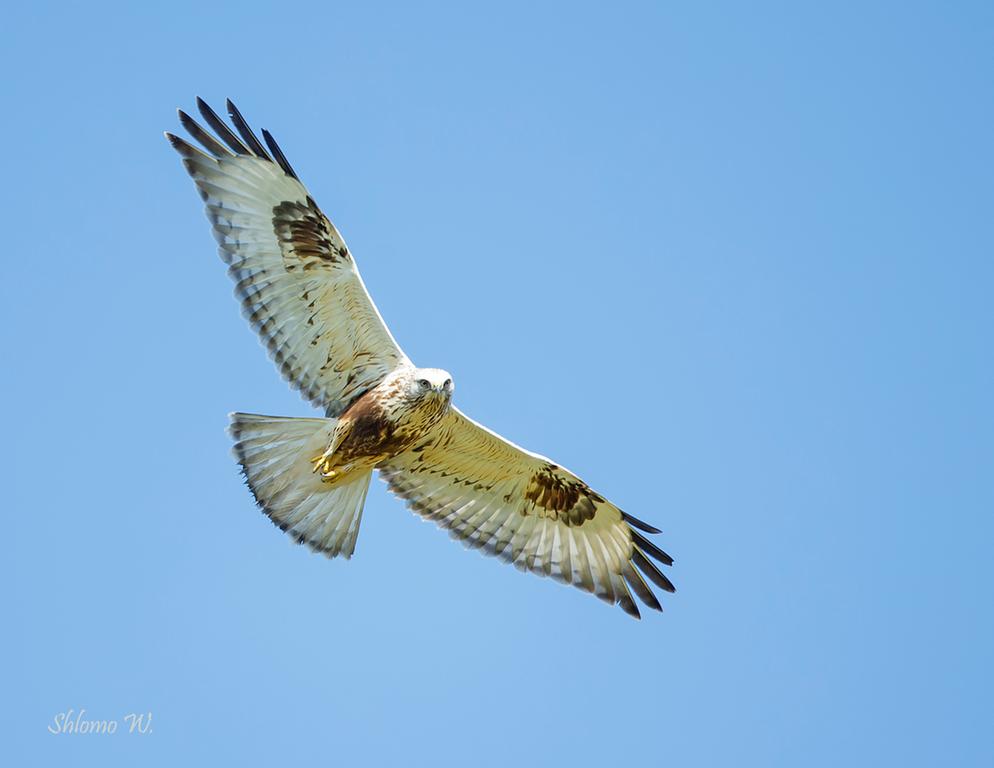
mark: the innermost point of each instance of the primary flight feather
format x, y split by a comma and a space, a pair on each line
299, 287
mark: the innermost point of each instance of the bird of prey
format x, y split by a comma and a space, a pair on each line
300, 288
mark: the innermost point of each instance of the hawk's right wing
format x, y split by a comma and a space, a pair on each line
527, 510
297, 282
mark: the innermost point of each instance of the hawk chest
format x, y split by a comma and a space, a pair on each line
378, 428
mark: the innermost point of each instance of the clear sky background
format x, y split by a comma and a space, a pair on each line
731, 263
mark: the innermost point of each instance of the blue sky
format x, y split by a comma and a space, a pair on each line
731, 263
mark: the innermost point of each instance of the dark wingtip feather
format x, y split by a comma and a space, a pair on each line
649, 569
278, 154
629, 607
223, 131
637, 583
641, 525
246, 133
651, 548
189, 152
207, 141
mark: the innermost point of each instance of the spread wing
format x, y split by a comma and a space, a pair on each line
297, 282
523, 508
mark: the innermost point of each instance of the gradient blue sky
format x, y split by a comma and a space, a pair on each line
732, 263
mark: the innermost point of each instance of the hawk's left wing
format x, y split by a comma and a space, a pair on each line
527, 510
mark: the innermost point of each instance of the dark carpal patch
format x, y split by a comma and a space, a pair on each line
306, 238
570, 501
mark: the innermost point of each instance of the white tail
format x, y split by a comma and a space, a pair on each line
275, 454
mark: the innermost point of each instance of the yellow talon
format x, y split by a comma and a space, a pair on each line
322, 464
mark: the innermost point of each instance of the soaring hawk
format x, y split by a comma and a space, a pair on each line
300, 288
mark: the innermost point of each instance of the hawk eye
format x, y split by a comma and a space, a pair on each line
424, 383
448, 383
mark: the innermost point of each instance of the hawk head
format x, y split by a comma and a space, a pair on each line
430, 383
